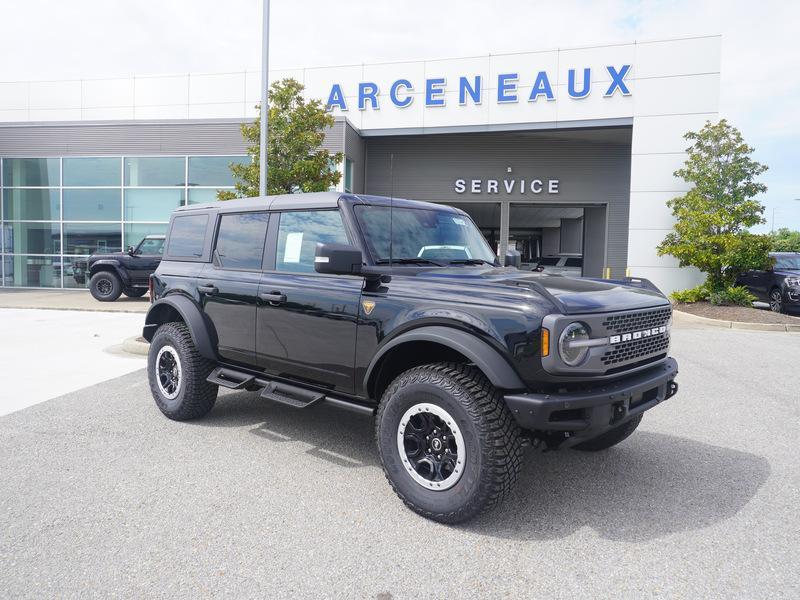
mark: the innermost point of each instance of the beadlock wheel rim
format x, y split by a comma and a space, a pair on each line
168, 372
431, 446
104, 287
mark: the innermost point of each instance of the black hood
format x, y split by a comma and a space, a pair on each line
571, 295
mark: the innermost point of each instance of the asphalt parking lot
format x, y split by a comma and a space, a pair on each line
102, 496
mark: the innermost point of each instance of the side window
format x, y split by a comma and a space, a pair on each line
240, 241
299, 233
187, 236
150, 246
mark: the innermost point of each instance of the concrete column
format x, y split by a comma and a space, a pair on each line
505, 209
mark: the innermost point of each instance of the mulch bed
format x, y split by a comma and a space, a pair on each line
740, 314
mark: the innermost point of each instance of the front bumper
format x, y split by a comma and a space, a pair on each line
573, 417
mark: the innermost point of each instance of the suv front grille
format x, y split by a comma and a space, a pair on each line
637, 321
630, 351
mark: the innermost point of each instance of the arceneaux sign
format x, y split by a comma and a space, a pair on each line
471, 89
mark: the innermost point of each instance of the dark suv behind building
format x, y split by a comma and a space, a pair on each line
399, 310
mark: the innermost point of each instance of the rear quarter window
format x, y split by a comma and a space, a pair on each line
187, 236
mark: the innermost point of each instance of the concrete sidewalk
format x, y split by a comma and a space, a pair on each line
69, 300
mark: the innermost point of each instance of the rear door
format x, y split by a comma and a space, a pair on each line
228, 286
307, 321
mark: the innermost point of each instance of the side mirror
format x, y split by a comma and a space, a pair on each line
130, 250
338, 259
513, 258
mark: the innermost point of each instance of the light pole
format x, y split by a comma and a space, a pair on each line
262, 172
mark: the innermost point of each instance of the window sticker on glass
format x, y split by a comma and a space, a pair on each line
459, 221
294, 243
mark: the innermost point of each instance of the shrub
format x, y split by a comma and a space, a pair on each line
732, 296
695, 294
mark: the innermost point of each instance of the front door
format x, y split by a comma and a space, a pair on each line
145, 260
307, 321
229, 285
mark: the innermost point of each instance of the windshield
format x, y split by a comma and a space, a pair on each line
422, 235
787, 263
150, 246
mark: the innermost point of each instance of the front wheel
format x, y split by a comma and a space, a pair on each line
105, 286
776, 301
177, 374
448, 444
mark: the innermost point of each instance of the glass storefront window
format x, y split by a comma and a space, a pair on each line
32, 238
31, 172
92, 205
151, 205
92, 238
79, 172
32, 271
213, 170
155, 171
135, 232
203, 195
31, 205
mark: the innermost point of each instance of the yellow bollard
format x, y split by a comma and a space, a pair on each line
627, 272
607, 273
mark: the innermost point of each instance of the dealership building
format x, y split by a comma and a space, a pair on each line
567, 155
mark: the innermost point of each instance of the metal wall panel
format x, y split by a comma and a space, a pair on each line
104, 138
592, 166
355, 149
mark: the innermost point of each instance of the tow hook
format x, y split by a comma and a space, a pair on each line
618, 412
672, 389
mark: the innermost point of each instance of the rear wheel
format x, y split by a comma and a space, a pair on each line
448, 444
611, 437
135, 292
105, 286
177, 374
776, 301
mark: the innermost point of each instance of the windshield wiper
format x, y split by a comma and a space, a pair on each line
470, 261
408, 261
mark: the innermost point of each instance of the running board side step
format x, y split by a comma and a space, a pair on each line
227, 378
291, 395
281, 392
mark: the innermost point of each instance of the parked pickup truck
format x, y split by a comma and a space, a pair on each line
399, 310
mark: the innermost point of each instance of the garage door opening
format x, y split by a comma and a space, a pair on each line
567, 240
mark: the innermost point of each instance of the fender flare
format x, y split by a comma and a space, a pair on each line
115, 265
190, 313
487, 359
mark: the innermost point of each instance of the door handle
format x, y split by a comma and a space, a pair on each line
273, 298
209, 289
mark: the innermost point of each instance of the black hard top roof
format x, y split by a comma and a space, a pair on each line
310, 200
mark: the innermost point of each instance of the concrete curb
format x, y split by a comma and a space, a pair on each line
136, 345
76, 308
684, 318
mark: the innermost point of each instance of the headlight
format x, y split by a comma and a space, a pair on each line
572, 344
792, 281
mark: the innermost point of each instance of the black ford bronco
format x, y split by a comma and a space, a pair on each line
399, 309
111, 275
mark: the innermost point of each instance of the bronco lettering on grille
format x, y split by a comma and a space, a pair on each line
637, 335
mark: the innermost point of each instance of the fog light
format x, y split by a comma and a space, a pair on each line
572, 344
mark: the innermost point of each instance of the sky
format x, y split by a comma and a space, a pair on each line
44, 40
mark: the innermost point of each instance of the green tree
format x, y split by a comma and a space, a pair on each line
712, 219
785, 240
297, 162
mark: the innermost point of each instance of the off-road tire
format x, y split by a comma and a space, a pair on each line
491, 439
611, 437
102, 281
195, 396
135, 293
